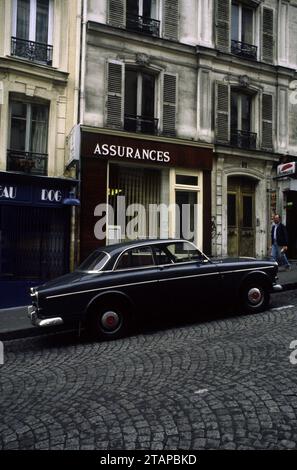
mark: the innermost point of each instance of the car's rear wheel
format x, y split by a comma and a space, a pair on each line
108, 321
255, 297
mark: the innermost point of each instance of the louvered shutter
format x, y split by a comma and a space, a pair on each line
223, 20
116, 13
169, 104
267, 122
171, 19
222, 113
268, 35
115, 94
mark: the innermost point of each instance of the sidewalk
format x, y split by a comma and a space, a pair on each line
14, 322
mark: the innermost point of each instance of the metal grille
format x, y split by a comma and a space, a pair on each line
34, 242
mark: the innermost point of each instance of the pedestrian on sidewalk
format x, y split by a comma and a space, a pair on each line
279, 242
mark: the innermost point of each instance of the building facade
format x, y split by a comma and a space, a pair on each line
139, 125
197, 74
38, 108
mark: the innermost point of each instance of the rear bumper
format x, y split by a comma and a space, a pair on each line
42, 322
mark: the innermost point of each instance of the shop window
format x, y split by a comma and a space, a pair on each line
28, 138
32, 30
138, 186
141, 17
140, 102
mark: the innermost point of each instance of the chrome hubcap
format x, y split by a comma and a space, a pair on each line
255, 295
110, 321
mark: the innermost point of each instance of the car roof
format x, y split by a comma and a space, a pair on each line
119, 247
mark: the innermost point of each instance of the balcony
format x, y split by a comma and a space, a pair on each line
243, 139
242, 49
27, 162
30, 50
145, 125
140, 24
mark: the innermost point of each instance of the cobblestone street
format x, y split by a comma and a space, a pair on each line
221, 384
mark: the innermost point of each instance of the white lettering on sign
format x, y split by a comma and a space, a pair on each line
51, 195
8, 192
129, 152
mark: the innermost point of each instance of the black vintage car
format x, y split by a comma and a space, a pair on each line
121, 283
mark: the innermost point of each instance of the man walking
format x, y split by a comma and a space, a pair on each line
279, 242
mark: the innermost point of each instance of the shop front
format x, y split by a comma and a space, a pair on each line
135, 188
34, 234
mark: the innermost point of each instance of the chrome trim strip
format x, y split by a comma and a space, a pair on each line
151, 281
131, 284
247, 269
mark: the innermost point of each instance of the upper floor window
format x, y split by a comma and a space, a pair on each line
242, 31
241, 120
244, 118
138, 98
140, 102
32, 30
28, 138
141, 16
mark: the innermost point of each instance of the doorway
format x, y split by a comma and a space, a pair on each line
241, 216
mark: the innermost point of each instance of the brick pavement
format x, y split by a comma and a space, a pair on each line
221, 384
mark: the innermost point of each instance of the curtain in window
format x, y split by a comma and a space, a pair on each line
39, 129
23, 19
42, 18
139, 186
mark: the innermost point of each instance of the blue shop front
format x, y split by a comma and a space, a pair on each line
34, 234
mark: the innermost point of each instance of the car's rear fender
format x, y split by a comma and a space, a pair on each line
113, 296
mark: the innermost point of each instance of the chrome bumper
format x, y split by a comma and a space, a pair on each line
277, 288
42, 322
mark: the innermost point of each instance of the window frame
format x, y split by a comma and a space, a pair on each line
133, 268
32, 23
241, 7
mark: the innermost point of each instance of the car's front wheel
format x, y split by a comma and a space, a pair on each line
108, 321
254, 297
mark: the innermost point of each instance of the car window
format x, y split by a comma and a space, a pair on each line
136, 258
181, 252
94, 262
163, 257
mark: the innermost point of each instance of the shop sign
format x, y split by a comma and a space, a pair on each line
22, 194
286, 169
140, 154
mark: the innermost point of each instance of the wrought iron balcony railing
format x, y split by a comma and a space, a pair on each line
30, 50
244, 50
141, 24
243, 139
145, 125
27, 162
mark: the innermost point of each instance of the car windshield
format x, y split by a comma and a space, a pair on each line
95, 262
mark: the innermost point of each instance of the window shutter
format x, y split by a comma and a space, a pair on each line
223, 20
267, 122
171, 19
268, 35
169, 104
222, 113
116, 13
115, 95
